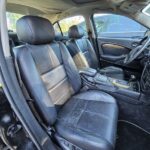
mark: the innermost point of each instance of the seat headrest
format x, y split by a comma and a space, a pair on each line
75, 32
35, 30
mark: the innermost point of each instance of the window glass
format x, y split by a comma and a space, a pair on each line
12, 19
146, 10
57, 29
110, 25
66, 23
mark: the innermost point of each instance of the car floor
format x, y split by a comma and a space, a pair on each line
132, 137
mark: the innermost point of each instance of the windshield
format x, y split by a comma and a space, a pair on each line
11, 20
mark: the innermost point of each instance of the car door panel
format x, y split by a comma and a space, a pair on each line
113, 50
116, 36
124, 42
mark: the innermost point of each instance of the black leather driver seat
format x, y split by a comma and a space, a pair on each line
85, 120
84, 55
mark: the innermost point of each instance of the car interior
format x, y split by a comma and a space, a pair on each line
75, 75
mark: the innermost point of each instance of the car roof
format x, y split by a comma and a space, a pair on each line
57, 9
59, 6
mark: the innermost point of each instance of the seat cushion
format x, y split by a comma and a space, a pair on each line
89, 120
113, 72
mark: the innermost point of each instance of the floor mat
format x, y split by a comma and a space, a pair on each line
131, 137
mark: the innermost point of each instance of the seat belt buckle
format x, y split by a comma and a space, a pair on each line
50, 131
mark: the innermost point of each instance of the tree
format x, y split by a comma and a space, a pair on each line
12, 19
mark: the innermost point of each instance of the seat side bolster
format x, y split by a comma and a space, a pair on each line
71, 69
95, 63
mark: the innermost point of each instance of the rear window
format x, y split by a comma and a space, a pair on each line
66, 23
11, 20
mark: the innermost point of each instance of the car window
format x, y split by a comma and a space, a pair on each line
111, 25
66, 23
57, 29
11, 20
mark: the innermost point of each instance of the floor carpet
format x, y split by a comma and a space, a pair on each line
131, 137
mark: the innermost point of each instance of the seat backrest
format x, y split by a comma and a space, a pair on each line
81, 49
46, 67
59, 37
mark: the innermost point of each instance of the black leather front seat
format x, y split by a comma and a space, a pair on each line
85, 120
84, 55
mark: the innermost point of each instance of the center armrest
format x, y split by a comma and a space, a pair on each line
88, 72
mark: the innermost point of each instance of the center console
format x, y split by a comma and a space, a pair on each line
125, 90
101, 79
133, 97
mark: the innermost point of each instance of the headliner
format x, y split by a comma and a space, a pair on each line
55, 9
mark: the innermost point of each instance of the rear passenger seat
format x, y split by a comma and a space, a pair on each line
85, 120
14, 38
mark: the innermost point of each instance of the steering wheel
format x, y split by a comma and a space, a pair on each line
134, 53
